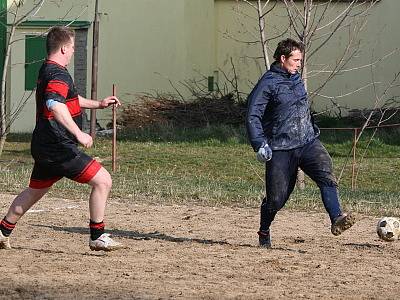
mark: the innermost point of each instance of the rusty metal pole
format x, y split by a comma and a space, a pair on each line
114, 141
353, 172
95, 58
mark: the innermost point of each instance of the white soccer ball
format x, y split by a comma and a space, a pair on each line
388, 229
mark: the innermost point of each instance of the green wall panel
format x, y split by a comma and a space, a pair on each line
35, 53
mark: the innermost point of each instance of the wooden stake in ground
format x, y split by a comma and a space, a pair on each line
114, 141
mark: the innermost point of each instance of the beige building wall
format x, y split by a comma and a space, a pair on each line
53, 10
147, 44
379, 37
144, 46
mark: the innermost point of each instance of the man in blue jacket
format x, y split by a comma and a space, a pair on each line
283, 134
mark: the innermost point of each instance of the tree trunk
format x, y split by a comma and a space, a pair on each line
261, 24
307, 9
3, 109
3, 112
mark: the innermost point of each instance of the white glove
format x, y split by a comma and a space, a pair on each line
264, 154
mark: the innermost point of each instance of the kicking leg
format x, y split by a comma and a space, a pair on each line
21, 204
317, 163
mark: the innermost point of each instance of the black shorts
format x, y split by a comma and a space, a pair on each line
82, 168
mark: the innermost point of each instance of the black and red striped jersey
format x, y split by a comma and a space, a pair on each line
51, 141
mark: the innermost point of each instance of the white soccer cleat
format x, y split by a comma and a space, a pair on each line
4, 242
105, 243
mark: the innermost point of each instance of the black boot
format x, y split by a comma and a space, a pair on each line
266, 218
264, 239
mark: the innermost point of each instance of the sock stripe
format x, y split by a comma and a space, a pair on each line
7, 225
100, 225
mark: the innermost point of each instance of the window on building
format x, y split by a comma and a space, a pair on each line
35, 53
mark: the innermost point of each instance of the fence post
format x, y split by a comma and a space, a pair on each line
353, 178
114, 127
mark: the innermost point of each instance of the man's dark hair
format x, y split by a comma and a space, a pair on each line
57, 37
286, 47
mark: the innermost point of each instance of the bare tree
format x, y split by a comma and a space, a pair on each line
262, 9
18, 18
316, 24
259, 34
383, 110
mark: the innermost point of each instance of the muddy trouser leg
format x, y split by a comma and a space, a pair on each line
266, 216
316, 162
280, 179
330, 199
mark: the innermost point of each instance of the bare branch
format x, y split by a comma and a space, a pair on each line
378, 102
33, 10
341, 71
249, 3
349, 93
293, 18
343, 15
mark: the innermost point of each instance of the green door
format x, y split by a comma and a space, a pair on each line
35, 54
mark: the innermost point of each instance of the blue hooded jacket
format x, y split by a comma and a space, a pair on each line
278, 112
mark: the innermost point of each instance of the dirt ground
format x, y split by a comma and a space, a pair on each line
193, 252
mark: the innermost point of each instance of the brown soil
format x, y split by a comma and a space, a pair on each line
193, 252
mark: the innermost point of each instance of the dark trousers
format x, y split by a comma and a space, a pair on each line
281, 175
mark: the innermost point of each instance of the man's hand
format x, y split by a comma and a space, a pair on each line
84, 139
264, 154
106, 102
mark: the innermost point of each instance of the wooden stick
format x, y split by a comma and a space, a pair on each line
114, 141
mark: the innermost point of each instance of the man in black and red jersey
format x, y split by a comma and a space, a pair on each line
55, 139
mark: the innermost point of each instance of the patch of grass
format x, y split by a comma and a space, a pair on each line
382, 143
214, 166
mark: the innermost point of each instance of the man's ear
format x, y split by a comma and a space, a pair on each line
63, 49
283, 58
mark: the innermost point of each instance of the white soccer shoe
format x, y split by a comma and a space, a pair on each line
105, 243
4, 242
